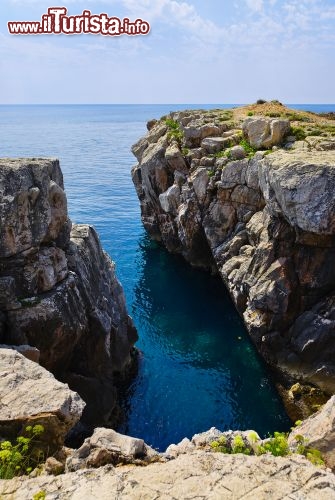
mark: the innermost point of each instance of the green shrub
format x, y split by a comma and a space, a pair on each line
220, 445
261, 101
23, 456
313, 455
174, 131
40, 495
250, 113
248, 148
239, 446
226, 116
273, 115
253, 437
295, 117
276, 445
220, 154
298, 132
314, 132
275, 101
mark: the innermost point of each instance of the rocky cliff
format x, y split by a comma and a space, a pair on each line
249, 193
58, 289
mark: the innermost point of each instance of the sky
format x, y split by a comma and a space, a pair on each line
198, 51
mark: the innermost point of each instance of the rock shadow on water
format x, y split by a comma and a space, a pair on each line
197, 365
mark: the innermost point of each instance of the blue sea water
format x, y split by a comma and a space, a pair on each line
197, 367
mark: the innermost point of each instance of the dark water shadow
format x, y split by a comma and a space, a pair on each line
198, 367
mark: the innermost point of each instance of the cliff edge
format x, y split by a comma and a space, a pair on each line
249, 193
58, 288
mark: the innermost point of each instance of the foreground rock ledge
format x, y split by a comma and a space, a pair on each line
196, 475
58, 288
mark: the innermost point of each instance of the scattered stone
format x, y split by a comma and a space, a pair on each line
107, 446
237, 153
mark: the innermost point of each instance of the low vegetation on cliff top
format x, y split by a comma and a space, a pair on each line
23, 455
276, 445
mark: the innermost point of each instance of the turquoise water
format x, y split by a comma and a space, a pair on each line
197, 367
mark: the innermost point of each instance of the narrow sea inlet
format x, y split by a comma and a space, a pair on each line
197, 366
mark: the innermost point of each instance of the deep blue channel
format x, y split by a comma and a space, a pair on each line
197, 366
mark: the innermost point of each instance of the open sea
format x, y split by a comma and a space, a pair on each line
197, 366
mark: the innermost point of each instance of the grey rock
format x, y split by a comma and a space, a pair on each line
175, 159
34, 208
106, 446
60, 295
31, 395
170, 199
319, 432
280, 274
265, 132
213, 144
300, 187
237, 153
200, 180
185, 446
199, 474
195, 133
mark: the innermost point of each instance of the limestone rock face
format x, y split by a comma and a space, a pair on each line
319, 432
33, 204
264, 132
302, 193
195, 475
30, 395
266, 224
58, 289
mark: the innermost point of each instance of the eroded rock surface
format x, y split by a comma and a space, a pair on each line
195, 475
29, 394
58, 289
265, 221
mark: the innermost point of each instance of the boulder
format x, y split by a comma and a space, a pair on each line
265, 132
31, 395
237, 153
195, 132
107, 446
